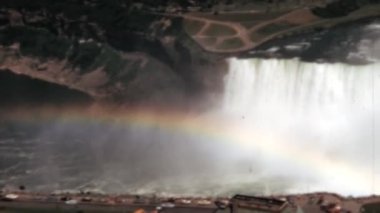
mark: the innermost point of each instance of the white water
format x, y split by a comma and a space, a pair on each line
283, 127
328, 110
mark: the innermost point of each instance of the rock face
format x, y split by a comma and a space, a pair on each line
153, 52
94, 68
108, 49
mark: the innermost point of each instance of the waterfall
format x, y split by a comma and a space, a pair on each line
328, 110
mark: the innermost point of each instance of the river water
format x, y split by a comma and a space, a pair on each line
282, 126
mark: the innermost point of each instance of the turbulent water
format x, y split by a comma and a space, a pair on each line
328, 111
281, 126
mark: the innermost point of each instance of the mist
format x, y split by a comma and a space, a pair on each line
116, 155
279, 126
321, 117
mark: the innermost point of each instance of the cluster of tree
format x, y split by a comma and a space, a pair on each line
338, 8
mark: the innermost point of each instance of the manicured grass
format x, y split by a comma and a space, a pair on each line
193, 27
232, 43
275, 28
208, 41
219, 30
255, 37
242, 17
249, 24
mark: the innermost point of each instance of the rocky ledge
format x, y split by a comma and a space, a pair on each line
159, 52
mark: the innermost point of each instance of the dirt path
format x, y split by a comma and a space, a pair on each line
298, 21
245, 34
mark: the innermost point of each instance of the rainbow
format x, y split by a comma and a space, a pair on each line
355, 178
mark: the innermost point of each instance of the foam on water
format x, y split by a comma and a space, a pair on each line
328, 109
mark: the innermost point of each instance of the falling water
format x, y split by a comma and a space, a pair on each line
328, 111
283, 126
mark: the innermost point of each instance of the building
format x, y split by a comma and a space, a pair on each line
254, 204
